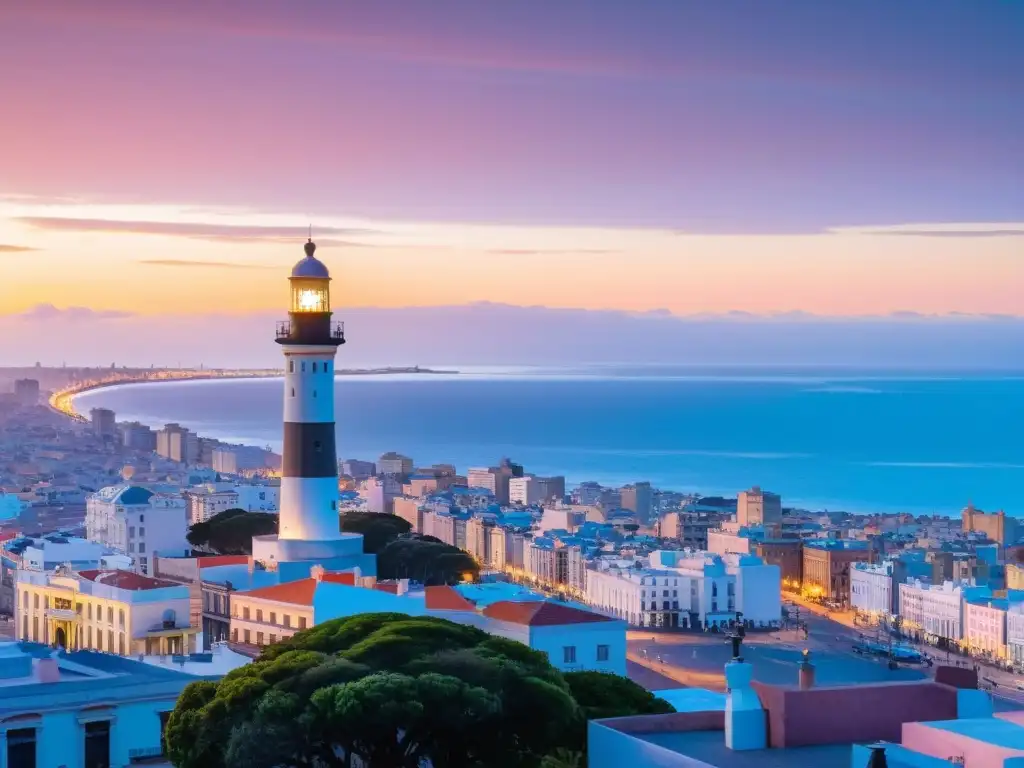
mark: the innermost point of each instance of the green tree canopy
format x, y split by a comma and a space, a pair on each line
392, 690
230, 532
377, 530
430, 562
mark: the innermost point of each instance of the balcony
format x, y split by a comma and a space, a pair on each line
311, 329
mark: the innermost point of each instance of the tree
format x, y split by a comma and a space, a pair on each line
391, 690
377, 530
602, 694
427, 561
230, 532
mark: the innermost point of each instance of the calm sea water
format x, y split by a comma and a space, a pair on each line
859, 442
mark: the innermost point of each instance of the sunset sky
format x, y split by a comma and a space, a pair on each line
697, 157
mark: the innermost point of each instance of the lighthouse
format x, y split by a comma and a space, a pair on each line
308, 527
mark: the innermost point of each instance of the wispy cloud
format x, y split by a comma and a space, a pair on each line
202, 264
551, 251
50, 312
201, 230
955, 230
15, 248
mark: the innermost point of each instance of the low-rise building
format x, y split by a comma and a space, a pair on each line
826, 567
115, 611
83, 708
934, 612
985, 627
138, 522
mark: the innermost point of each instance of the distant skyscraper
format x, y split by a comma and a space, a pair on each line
637, 498
103, 422
756, 507
392, 463
137, 436
26, 392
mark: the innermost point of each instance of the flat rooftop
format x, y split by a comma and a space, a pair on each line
991, 730
709, 747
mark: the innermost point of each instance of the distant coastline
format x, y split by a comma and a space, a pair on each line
63, 400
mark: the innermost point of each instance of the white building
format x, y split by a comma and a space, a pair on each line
932, 610
117, 612
562, 517
138, 522
758, 589
83, 709
500, 540
525, 490
871, 588
985, 627
44, 553
1015, 634
689, 589
728, 539
208, 501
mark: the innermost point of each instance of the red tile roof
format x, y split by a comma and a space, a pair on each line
126, 580
386, 586
447, 599
339, 577
540, 613
296, 592
211, 561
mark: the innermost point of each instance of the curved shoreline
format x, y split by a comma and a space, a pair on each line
63, 400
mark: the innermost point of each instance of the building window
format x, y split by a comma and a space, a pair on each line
245, 613
142, 518
259, 638
142, 547
291, 366
287, 620
303, 367
273, 639
293, 391
110, 615
142, 533
273, 618
97, 744
602, 653
314, 366
248, 637
35, 601
21, 748
234, 635
24, 600
569, 654
131, 531
259, 614
120, 619
302, 622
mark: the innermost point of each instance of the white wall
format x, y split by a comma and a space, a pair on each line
759, 593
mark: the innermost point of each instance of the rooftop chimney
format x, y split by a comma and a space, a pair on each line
47, 671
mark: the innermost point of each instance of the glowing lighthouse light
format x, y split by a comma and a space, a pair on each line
312, 300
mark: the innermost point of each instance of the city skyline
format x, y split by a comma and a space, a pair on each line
685, 160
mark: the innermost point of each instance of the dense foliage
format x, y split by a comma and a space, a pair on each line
377, 530
429, 562
394, 690
230, 532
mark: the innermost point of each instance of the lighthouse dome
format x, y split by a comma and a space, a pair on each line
310, 266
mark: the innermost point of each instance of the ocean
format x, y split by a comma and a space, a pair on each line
854, 441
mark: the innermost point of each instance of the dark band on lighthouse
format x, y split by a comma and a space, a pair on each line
309, 450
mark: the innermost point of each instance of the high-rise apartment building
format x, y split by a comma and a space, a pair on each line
997, 526
392, 463
137, 436
26, 392
757, 507
638, 498
177, 443
103, 422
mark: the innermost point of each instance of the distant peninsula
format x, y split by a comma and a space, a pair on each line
62, 400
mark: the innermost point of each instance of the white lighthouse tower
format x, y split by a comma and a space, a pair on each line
308, 528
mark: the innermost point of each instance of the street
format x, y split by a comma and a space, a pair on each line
698, 659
